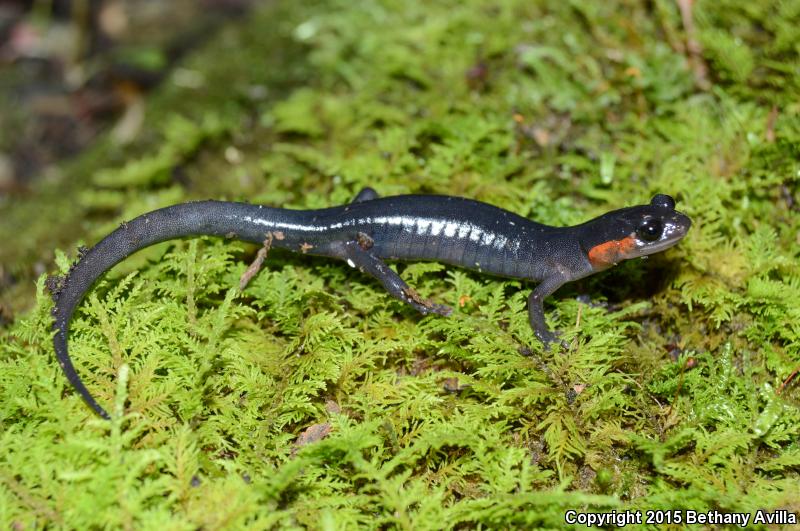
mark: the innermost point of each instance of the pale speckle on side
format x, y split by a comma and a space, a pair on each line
475, 234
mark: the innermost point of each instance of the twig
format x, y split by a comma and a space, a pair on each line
693, 46
787, 380
688, 364
772, 117
255, 267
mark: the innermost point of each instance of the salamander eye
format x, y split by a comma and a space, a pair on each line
650, 230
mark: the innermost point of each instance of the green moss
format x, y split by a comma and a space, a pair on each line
576, 109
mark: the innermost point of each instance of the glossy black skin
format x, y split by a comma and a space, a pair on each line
452, 230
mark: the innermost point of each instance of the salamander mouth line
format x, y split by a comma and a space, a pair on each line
656, 247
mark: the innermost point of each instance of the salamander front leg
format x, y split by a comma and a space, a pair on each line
365, 261
536, 309
366, 194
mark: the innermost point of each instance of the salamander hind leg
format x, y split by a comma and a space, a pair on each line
355, 255
366, 194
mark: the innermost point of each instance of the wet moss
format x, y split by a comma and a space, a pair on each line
676, 391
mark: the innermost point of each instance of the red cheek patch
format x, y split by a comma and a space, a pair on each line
611, 252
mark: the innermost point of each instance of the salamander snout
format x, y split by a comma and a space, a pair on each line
659, 226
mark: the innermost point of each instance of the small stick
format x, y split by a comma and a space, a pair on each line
771, 119
689, 364
787, 380
693, 46
255, 267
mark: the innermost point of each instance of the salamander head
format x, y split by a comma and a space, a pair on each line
633, 232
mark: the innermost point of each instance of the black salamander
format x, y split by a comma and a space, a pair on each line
371, 229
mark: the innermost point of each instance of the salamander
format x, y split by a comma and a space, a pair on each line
372, 229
